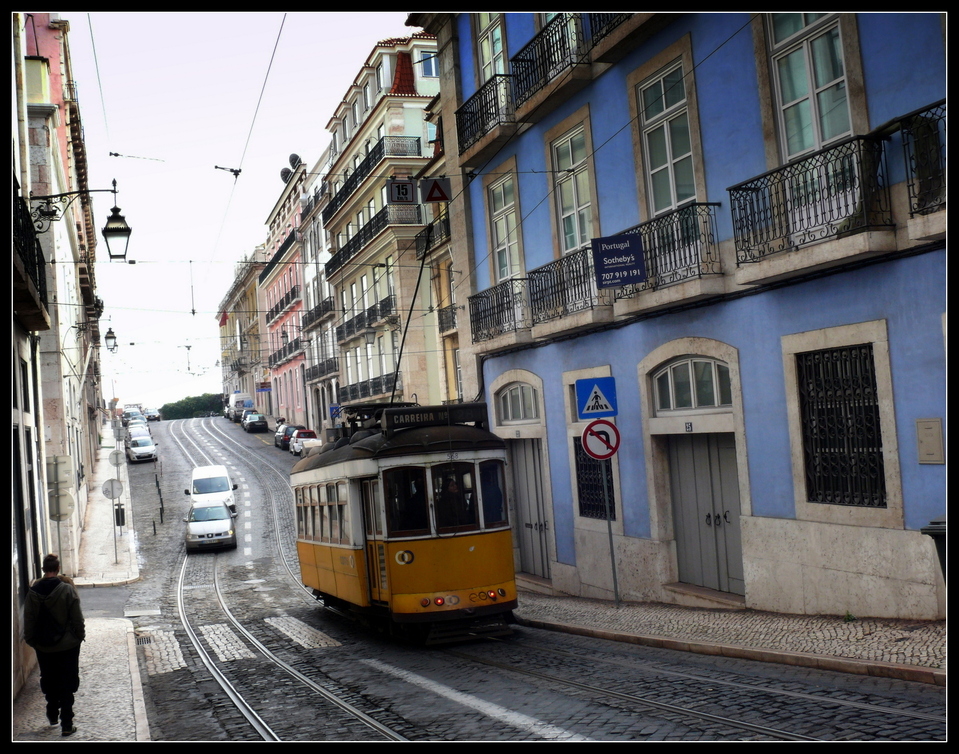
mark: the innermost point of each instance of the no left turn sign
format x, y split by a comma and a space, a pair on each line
601, 439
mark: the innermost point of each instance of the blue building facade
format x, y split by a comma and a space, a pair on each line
780, 368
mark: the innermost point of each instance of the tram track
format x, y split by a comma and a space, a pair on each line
707, 691
239, 698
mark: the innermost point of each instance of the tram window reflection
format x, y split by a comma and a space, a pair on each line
454, 497
491, 489
406, 508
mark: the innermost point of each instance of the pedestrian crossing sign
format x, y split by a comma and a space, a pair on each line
596, 397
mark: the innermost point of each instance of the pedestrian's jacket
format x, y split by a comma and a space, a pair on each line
62, 601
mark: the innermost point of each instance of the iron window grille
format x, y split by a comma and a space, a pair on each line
841, 434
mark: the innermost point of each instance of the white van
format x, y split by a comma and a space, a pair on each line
211, 484
210, 522
238, 402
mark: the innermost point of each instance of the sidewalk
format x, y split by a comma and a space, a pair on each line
110, 705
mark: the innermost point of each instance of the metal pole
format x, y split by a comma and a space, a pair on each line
609, 529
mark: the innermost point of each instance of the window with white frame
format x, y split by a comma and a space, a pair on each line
490, 47
430, 64
503, 231
518, 402
573, 199
810, 81
666, 142
694, 383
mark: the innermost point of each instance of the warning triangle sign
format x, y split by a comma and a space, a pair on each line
435, 190
596, 402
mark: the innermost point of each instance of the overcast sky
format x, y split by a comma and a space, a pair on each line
177, 94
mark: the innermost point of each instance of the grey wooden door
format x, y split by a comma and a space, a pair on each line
705, 498
532, 525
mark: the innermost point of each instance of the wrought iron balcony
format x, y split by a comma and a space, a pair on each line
433, 235
286, 353
558, 46
324, 368
924, 143
318, 312
27, 246
500, 309
391, 214
280, 306
677, 246
490, 107
838, 190
375, 386
365, 319
565, 286
388, 146
447, 318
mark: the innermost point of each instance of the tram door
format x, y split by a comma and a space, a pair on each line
532, 525
375, 546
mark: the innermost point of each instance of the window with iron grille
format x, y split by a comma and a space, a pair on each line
841, 436
589, 483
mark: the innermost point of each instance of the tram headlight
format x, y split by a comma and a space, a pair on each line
439, 601
501, 592
425, 602
492, 595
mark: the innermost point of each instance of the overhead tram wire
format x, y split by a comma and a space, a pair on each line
236, 171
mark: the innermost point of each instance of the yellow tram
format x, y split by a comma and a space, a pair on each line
405, 518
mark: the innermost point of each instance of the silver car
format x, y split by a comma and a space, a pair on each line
141, 449
209, 527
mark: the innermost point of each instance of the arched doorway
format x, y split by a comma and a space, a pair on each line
693, 418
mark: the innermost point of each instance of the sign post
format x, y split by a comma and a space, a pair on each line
601, 440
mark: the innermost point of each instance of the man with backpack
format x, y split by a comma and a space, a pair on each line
53, 626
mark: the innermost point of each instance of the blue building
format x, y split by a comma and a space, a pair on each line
778, 359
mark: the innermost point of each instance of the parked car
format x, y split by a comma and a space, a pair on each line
128, 415
141, 449
295, 442
282, 437
137, 432
246, 413
255, 423
137, 420
152, 414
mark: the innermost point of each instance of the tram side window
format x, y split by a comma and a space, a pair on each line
406, 504
343, 513
454, 497
491, 489
300, 514
313, 512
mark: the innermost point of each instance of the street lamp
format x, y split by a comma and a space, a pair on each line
116, 232
111, 341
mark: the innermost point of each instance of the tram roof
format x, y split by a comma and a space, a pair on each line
413, 441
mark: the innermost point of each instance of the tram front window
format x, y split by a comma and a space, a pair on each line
491, 488
406, 504
454, 497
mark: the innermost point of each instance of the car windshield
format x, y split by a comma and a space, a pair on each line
212, 484
210, 513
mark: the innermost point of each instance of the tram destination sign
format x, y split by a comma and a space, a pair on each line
433, 416
618, 260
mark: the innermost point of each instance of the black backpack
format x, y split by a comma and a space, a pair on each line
49, 632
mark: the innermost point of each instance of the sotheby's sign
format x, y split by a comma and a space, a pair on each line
618, 260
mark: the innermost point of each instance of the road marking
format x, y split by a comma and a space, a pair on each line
516, 719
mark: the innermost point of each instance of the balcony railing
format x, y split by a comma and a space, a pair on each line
391, 214
27, 245
558, 46
836, 191
447, 318
433, 235
596, 26
501, 309
285, 353
676, 247
564, 287
924, 143
280, 306
382, 385
388, 146
317, 313
322, 369
365, 319
491, 106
